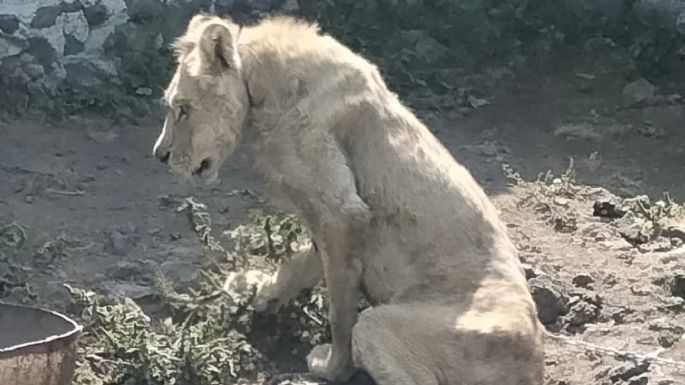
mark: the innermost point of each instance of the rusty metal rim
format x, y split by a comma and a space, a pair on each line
45, 345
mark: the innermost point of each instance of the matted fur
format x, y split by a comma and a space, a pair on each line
394, 216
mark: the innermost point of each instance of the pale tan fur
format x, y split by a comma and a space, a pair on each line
394, 216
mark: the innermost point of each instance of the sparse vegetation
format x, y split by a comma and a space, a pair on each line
550, 196
205, 335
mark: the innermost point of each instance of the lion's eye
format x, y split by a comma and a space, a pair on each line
182, 111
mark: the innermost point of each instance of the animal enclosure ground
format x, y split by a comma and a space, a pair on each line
99, 213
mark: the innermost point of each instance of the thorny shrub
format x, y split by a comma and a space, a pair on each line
208, 336
549, 196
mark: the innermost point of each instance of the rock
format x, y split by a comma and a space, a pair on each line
581, 313
128, 289
144, 91
430, 50
72, 46
119, 243
83, 74
582, 280
140, 10
71, 6
637, 92
42, 50
10, 46
75, 25
35, 71
550, 299
95, 15
677, 286
628, 371
125, 271
46, 16
181, 273
9, 24
639, 380
608, 207
633, 229
674, 231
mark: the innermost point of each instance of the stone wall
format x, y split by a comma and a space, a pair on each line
62, 56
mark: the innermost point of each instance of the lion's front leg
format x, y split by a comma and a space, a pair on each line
334, 362
316, 177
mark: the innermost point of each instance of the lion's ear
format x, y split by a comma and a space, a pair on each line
217, 47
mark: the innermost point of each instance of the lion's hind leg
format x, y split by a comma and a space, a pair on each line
423, 345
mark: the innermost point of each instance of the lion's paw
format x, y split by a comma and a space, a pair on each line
321, 364
257, 284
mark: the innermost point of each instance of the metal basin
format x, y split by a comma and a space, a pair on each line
37, 347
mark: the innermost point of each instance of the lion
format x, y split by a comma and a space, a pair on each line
393, 216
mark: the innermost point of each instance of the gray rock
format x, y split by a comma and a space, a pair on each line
677, 286
72, 46
582, 280
96, 15
181, 273
9, 24
674, 231
637, 92
76, 25
139, 10
54, 35
10, 46
628, 371
430, 50
46, 16
608, 207
99, 35
639, 380
550, 298
144, 91
119, 243
633, 229
82, 74
71, 6
42, 50
34, 70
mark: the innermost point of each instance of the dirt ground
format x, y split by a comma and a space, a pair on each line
96, 209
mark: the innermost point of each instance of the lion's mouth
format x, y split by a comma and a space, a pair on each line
205, 167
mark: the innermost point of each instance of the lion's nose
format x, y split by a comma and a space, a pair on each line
162, 155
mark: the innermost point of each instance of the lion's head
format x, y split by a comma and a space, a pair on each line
206, 100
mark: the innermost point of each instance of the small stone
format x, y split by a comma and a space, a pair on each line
9, 24
551, 301
637, 92
628, 371
639, 380
633, 229
582, 280
119, 243
72, 46
181, 273
76, 25
139, 10
96, 15
677, 286
675, 231
10, 46
35, 71
607, 207
124, 271
46, 16
144, 91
